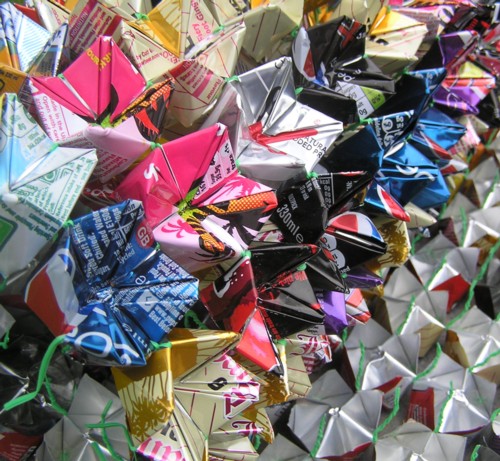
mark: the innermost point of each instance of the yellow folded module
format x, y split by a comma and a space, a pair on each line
189, 389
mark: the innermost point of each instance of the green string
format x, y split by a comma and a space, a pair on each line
495, 414
218, 29
463, 217
104, 425
3, 285
443, 407
432, 365
149, 84
299, 90
98, 451
312, 175
491, 138
141, 16
257, 442
344, 335
407, 316
414, 242
5, 343
443, 211
154, 145
479, 276
52, 398
68, 223
491, 189
359, 374
392, 414
233, 78
157, 346
246, 254
54, 147
320, 436
475, 453
295, 32
485, 361
302, 267
191, 315
42, 374
435, 273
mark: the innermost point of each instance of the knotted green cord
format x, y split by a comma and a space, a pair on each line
141, 16
463, 218
52, 398
392, 414
407, 316
485, 361
191, 315
443, 406
320, 436
157, 346
233, 78
359, 374
42, 374
5, 343
475, 281
432, 365
475, 453
104, 425
435, 273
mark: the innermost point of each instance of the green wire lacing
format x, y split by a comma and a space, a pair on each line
443, 407
359, 374
52, 398
42, 374
392, 414
485, 361
407, 316
475, 281
5, 343
463, 217
432, 365
233, 78
104, 426
191, 315
475, 453
257, 442
320, 436
157, 346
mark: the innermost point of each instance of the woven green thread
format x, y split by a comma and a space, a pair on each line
5, 343
463, 218
104, 425
479, 276
191, 315
475, 453
257, 442
443, 407
359, 374
392, 415
157, 346
52, 398
233, 78
414, 242
42, 374
97, 450
407, 316
320, 436
435, 273
432, 365
485, 361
